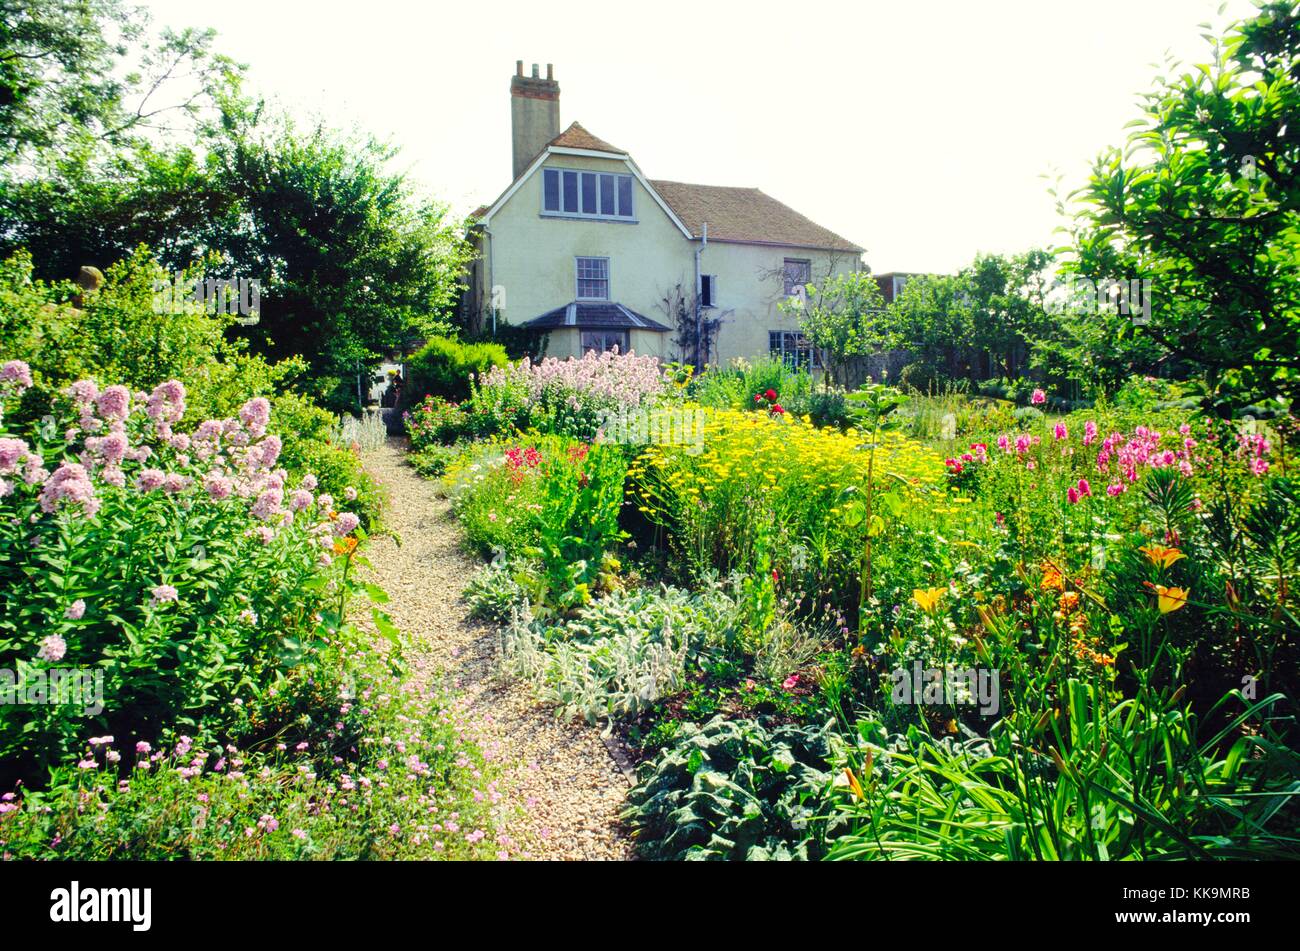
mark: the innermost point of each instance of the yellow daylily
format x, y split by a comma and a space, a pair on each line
1169, 599
927, 598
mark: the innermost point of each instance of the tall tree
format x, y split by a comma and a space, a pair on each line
1205, 203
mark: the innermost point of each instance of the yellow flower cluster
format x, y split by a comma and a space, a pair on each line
751, 466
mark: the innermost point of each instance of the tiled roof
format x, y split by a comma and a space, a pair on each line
594, 315
746, 215
576, 137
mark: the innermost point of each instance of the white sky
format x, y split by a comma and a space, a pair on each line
920, 129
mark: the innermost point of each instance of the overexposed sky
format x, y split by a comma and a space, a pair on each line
920, 129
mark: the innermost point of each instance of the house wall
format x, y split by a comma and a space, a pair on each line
751, 285
566, 342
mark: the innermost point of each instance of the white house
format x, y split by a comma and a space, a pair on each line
583, 245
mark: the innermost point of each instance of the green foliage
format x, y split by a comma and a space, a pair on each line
434, 422
1204, 201
334, 799
733, 790
445, 368
841, 318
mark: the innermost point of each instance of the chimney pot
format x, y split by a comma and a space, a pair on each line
519, 67
550, 71
535, 73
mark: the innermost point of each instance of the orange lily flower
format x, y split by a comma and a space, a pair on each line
1161, 556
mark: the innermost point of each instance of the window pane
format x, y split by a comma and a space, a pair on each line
588, 193
607, 206
625, 196
550, 190
571, 192
797, 274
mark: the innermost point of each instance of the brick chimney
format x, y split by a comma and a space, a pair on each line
534, 114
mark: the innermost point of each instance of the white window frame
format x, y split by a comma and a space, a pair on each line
578, 278
616, 181
785, 274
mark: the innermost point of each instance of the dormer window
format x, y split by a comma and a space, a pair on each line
573, 193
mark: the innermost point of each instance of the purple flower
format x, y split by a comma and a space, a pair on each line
150, 479
255, 414
346, 524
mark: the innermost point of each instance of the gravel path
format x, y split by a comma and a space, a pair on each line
566, 789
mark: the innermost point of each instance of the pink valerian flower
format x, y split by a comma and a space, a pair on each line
325, 502
17, 373
263, 533
308, 483
166, 404
268, 505
69, 484
350, 494
163, 594
6, 488
83, 392
53, 648
346, 524
218, 486
113, 476
300, 500
150, 479
12, 452
175, 483
110, 449
76, 610
255, 415
1038, 397
267, 451
114, 403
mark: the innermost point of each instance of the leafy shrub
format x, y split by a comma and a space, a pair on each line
733, 790
566, 397
434, 421
445, 367
497, 591
180, 565
434, 461
309, 448
617, 655
392, 775
551, 499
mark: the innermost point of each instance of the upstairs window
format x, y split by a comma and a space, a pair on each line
593, 278
798, 274
708, 290
568, 191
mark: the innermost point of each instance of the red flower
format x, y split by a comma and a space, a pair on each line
770, 396
776, 576
777, 409
758, 397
